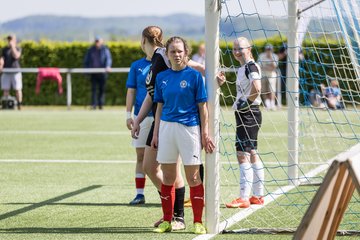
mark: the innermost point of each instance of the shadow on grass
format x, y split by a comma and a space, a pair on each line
104, 230
48, 201
147, 205
76, 230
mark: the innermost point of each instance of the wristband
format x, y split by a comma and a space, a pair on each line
128, 115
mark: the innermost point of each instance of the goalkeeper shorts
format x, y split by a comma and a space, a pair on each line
248, 124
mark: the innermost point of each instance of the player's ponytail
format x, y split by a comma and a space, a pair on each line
154, 35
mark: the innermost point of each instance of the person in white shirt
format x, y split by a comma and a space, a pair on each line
268, 62
248, 122
199, 57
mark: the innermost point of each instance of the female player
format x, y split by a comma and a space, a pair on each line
181, 97
152, 44
248, 122
136, 90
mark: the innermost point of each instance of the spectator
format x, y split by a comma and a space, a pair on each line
98, 56
268, 62
10, 56
332, 95
316, 97
200, 55
282, 56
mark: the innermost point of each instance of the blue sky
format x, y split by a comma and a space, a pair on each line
12, 9
100, 8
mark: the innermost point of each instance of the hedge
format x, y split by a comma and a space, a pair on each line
71, 55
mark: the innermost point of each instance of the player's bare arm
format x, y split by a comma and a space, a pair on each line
255, 89
1, 63
130, 96
206, 141
155, 140
197, 66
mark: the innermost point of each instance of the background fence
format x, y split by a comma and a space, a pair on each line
68, 57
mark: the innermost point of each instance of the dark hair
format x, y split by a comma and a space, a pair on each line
175, 39
154, 35
283, 48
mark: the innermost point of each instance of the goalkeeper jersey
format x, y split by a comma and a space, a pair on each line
247, 73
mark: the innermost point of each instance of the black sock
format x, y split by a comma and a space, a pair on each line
201, 171
179, 202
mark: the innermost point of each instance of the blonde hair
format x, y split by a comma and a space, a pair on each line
246, 42
154, 35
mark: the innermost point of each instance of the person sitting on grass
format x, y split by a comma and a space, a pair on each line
332, 95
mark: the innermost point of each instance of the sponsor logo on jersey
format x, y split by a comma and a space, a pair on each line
196, 197
255, 75
183, 84
166, 198
148, 78
164, 82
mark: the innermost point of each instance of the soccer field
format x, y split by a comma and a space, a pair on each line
70, 175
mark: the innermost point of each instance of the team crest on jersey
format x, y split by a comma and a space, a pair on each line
148, 78
183, 84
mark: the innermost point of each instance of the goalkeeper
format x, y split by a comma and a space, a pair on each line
248, 122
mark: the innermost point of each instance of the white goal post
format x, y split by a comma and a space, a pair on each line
312, 129
293, 93
212, 180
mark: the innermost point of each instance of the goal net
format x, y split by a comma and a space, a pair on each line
327, 37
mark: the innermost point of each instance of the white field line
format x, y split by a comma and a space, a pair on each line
268, 199
63, 132
118, 161
67, 161
112, 133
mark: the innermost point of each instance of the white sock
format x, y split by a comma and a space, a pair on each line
267, 103
246, 178
258, 180
140, 175
273, 104
140, 190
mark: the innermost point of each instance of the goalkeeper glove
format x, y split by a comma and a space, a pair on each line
243, 105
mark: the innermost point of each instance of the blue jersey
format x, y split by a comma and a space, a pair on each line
136, 79
332, 91
180, 92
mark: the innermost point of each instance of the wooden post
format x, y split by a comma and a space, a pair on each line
323, 217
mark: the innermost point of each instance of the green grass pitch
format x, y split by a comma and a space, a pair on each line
88, 199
